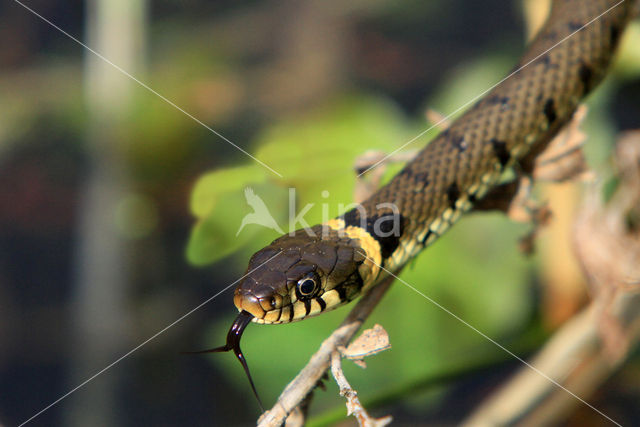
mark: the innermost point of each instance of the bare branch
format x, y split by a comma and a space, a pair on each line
354, 407
437, 119
587, 349
370, 342
309, 376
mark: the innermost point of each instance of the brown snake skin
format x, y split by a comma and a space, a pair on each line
301, 275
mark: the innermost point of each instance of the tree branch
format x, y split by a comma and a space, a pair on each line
587, 349
308, 378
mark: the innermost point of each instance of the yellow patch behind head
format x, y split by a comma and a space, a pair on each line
370, 267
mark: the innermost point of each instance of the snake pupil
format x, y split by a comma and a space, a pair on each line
307, 286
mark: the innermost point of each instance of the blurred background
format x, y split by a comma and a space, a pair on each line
118, 211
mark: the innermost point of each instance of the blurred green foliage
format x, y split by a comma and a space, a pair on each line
314, 153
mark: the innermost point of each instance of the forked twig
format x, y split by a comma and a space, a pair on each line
354, 407
320, 362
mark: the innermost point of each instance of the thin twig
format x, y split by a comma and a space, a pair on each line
309, 376
354, 407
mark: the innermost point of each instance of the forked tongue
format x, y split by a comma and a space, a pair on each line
233, 343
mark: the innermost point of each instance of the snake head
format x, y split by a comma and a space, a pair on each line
302, 274
306, 272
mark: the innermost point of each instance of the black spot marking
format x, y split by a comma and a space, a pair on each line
323, 304
496, 99
342, 292
459, 142
575, 26
406, 172
550, 111
472, 199
307, 306
426, 237
387, 231
614, 34
386, 228
421, 177
453, 193
351, 218
501, 152
586, 77
545, 60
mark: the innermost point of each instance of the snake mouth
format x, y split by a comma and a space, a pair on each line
233, 343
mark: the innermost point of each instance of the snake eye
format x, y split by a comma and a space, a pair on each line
308, 285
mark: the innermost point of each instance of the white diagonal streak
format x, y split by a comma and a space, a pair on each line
147, 87
467, 324
475, 98
127, 354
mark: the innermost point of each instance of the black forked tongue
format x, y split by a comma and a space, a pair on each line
233, 343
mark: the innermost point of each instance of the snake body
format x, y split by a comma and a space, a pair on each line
307, 272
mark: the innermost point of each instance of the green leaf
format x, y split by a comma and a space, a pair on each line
218, 234
314, 152
217, 185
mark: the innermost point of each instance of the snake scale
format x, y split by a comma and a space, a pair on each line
307, 272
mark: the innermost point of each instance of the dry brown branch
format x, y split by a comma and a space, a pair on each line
354, 407
588, 348
437, 119
370, 342
309, 376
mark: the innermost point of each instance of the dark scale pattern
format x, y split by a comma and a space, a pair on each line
453, 193
521, 114
550, 111
501, 152
385, 226
586, 74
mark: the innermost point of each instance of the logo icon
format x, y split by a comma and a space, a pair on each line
260, 215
